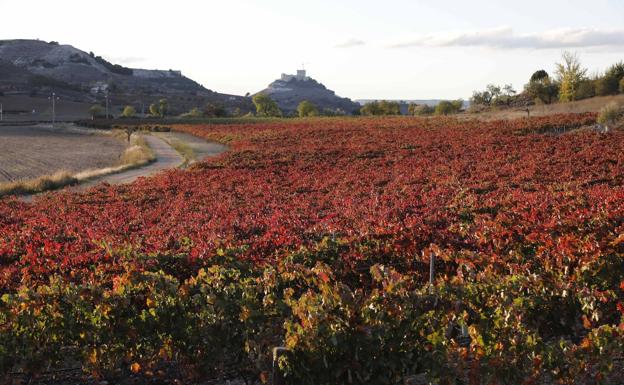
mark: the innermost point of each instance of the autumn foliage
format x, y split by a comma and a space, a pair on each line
317, 234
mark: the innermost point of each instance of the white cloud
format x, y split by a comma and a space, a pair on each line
506, 38
350, 43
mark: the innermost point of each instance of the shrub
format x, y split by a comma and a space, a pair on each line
192, 114
609, 114
622, 86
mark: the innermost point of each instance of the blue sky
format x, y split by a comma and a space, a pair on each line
395, 49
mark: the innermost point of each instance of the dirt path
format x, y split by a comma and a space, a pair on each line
166, 157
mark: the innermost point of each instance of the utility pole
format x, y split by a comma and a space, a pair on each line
54, 98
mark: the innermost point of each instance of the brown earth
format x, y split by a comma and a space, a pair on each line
28, 152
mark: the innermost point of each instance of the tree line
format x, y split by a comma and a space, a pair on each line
570, 82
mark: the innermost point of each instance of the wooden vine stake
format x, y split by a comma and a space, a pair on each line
278, 375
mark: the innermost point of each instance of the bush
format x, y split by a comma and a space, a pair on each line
194, 113
622, 86
610, 114
446, 107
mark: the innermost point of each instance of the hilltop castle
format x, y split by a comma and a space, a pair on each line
301, 75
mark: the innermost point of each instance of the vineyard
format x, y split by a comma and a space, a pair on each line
317, 235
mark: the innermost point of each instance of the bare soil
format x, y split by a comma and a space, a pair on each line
28, 152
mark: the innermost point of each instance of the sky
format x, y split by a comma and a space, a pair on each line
365, 49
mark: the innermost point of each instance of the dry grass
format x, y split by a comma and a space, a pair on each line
587, 105
185, 150
138, 154
41, 184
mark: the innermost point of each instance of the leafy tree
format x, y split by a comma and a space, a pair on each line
494, 90
570, 74
95, 110
541, 87
128, 112
609, 84
586, 89
306, 108
163, 107
446, 107
539, 76
483, 98
383, 107
153, 109
265, 106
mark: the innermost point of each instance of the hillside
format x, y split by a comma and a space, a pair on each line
290, 90
37, 67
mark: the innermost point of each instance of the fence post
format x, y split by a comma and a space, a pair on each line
278, 376
431, 269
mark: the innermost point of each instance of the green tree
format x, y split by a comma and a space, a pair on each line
153, 109
128, 112
163, 107
383, 107
541, 87
586, 89
306, 108
622, 86
265, 106
570, 74
95, 110
538, 76
482, 98
446, 107
609, 84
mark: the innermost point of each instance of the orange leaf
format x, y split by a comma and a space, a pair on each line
135, 368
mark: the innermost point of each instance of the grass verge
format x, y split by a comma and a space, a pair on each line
41, 184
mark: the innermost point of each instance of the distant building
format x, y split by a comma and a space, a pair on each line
301, 75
